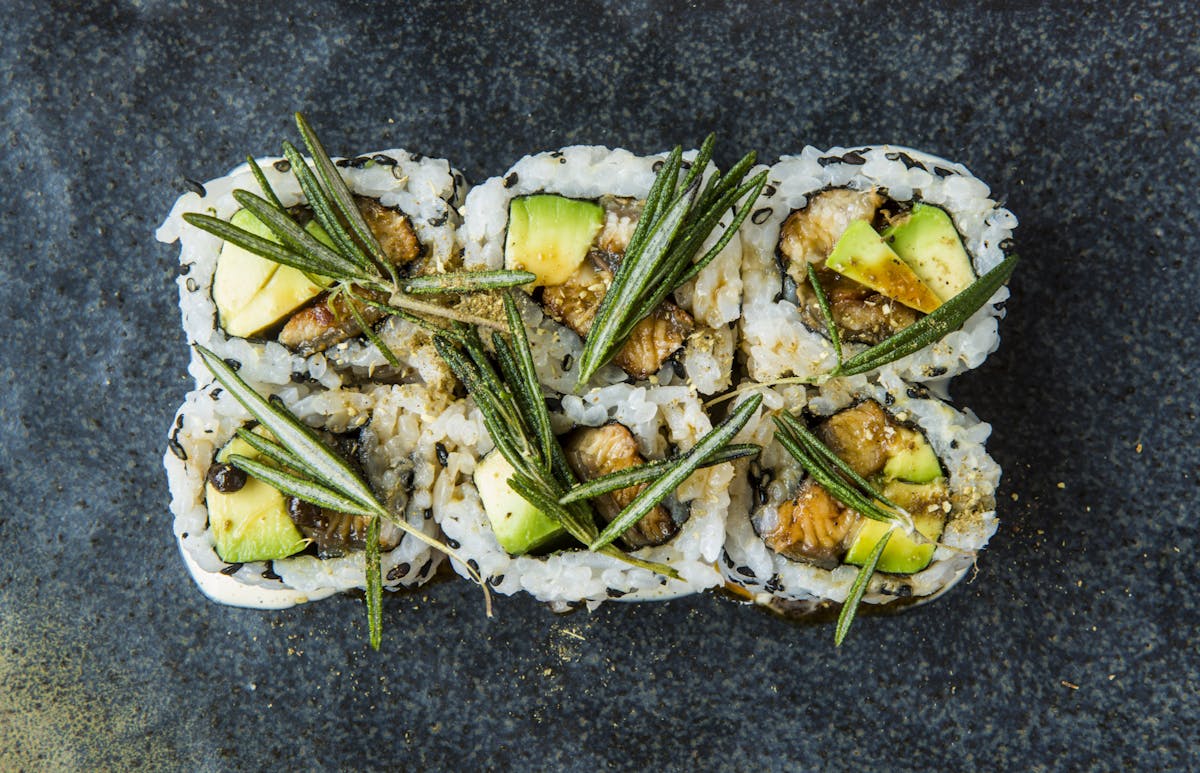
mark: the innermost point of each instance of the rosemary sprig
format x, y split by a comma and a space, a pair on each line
677, 472
834, 475
355, 262
850, 605
933, 327
510, 398
632, 476
827, 315
309, 470
677, 218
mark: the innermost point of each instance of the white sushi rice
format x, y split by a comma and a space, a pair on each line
589, 172
663, 419
398, 459
428, 190
776, 342
957, 438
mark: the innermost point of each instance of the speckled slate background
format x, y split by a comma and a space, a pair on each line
1074, 647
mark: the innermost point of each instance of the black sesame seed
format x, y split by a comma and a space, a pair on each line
728, 561
854, 158
685, 165
471, 562
828, 160
428, 513
177, 449
554, 404
562, 160
658, 165
440, 220
269, 573
954, 444
231, 570
383, 160
417, 156
283, 165
216, 393
443, 456
184, 535
904, 591
226, 478
889, 399
495, 581
398, 572
194, 186
936, 371
760, 215
556, 154
453, 543
678, 367
769, 190
185, 269
613, 593
943, 172
233, 364
342, 162
426, 568
567, 361
191, 285
746, 571
511, 180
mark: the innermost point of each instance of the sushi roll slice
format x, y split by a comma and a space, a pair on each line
892, 234
278, 322
516, 548
790, 544
248, 544
567, 216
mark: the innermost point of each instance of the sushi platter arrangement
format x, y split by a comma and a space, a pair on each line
595, 376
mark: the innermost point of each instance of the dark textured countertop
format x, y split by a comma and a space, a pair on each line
1075, 646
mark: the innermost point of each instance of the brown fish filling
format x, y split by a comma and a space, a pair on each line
809, 235
596, 451
813, 526
324, 322
575, 302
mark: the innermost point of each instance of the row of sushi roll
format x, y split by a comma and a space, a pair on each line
595, 376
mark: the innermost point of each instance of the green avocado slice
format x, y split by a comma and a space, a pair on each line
550, 236
911, 458
519, 526
929, 243
252, 523
862, 255
253, 293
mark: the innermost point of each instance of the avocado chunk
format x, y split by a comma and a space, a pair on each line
252, 522
862, 255
928, 242
904, 554
253, 293
911, 458
550, 235
519, 526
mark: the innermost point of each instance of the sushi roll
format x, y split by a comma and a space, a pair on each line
249, 544
790, 544
280, 323
891, 234
568, 216
611, 428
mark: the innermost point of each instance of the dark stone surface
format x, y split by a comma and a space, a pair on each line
1074, 647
